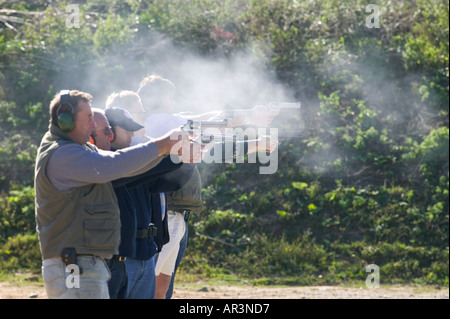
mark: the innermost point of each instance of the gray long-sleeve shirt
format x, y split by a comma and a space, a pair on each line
87, 167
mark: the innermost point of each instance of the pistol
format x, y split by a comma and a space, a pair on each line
192, 125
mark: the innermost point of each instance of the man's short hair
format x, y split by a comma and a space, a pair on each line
123, 99
151, 89
75, 96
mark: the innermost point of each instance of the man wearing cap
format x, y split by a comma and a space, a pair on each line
158, 176
77, 214
123, 126
140, 265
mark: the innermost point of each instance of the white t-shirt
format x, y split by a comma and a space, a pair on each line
160, 124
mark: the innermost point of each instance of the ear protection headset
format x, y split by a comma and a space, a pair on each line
66, 120
112, 137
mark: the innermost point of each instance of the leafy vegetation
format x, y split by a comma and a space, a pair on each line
367, 183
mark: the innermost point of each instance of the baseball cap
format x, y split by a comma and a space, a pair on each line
120, 117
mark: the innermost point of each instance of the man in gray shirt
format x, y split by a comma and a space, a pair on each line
77, 214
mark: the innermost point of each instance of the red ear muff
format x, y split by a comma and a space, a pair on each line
112, 135
91, 140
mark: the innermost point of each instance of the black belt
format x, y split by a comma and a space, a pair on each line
151, 231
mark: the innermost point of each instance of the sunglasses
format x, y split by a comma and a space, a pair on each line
108, 132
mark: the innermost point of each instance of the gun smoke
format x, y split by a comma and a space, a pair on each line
202, 83
242, 80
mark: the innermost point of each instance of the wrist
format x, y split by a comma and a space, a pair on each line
163, 147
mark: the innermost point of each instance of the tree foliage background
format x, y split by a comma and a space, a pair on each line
366, 183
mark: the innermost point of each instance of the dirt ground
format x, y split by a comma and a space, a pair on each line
37, 291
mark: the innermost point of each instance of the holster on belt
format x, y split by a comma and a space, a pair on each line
69, 257
151, 231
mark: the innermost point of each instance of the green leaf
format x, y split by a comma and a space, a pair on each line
281, 213
299, 185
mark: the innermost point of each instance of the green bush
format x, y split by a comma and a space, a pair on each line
21, 252
17, 213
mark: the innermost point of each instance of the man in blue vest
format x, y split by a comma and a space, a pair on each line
158, 179
144, 192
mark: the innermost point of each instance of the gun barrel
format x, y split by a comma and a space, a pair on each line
191, 125
199, 124
218, 137
205, 139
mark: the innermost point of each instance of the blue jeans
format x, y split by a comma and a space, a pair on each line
183, 245
118, 283
141, 278
90, 282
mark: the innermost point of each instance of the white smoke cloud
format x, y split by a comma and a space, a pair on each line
202, 83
